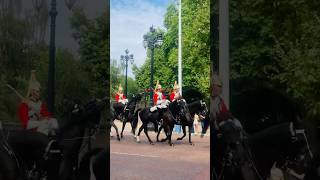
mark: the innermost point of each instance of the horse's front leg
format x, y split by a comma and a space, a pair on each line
115, 127
190, 142
132, 129
169, 134
140, 129
165, 128
155, 123
123, 126
159, 132
184, 133
146, 132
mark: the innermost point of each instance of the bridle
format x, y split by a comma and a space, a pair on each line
183, 108
228, 157
203, 104
294, 137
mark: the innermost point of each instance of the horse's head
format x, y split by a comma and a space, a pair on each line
231, 134
139, 96
283, 141
203, 109
90, 113
231, 150
183, 110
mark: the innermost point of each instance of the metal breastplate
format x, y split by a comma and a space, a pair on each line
34, 110
159, 95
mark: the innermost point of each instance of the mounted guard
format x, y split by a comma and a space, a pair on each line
219, 111
121, 102
159, 100
175, 94
33, 113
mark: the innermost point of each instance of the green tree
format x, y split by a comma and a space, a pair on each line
195, 40
93, 38
275, 43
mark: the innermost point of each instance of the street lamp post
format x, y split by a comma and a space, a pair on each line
52, 50
125, 60
152, 40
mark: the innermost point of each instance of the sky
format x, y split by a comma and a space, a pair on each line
129, 21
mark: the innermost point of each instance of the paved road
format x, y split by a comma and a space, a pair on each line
142, 161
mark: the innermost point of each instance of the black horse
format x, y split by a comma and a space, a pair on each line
251, 157
72, 135
126, 114
270, 118
34, 155
200, 107
230, 158
129, 113
197, 107
146, 117
177, 109
19, 150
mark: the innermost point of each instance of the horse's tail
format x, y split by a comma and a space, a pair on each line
136, 118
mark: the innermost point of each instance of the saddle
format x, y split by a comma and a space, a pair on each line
155, 108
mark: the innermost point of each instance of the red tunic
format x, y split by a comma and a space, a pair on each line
118, 97
23, 113
155, 98
223, 113
172, 95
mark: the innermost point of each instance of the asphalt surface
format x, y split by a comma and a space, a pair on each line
141, 161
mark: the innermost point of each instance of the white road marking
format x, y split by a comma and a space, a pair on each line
141, 155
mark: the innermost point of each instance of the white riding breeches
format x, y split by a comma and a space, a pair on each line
44, 126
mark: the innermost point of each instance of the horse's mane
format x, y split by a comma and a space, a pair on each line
269, 134
264, 107
90, 110
133, 100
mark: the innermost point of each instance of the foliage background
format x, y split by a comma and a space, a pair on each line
79, 76
196, 55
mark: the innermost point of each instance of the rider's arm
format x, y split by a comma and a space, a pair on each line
44, 113
117, 97
23, 114
155, 98
163, 96
171, 97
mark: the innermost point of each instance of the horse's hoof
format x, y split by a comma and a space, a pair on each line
192, 144
171, 145
151, 143
179, 139
138, 139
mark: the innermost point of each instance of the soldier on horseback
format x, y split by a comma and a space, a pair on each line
121, 102
175, 94
33, 112
219, 111
159, 100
